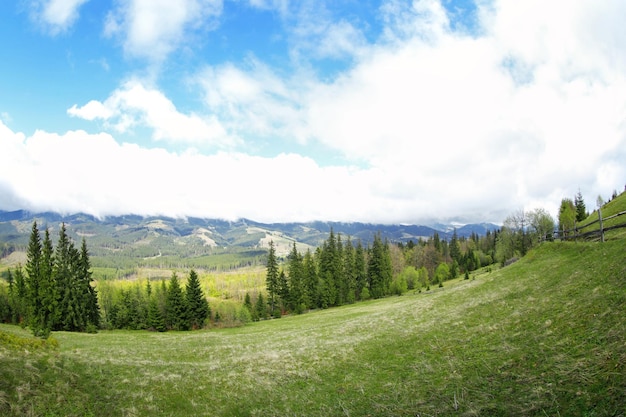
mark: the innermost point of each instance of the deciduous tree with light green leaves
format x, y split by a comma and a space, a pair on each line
567, 216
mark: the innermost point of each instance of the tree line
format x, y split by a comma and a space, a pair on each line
341, 272
165, 306
53, 291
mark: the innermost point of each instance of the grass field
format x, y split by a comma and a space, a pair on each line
544, 336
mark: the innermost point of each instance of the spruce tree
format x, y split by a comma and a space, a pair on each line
375, 268
455, 248
17, 296
155, 317
329, 271
271, 279
176, 310
360, 270
71, 309
196, 301
311, 283
298, 300
339, 273
48, 285
34, 296
581, 210
247, 303
283, 293
348, 283
88, 294
379, 271
261, 307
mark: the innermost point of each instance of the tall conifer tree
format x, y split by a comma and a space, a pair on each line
295, 269
311, 280
360, 269
271, 279
66, 261
34, 295
88, 293
196, 301
177, 316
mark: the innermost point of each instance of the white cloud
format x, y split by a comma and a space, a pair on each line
56, 16
94, 174
152, 29
527, 110
91, 111
253, 103
443, 124
134, 105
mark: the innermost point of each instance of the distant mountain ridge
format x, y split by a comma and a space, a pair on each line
192, 236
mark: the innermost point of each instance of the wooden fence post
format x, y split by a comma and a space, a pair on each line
601, 227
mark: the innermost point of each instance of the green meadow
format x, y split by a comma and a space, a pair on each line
545, 336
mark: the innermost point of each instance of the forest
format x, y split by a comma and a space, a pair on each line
55, 289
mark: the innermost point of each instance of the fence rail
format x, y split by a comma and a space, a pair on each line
577, 231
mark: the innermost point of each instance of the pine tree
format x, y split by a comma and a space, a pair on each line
17, 296
360, 270
88, 294
311, 280
329, 271
196, 301
261, 307
48, 285
176, 310
34, 296
581, 210
338, 273
283, 293
455, 249
295, 268
348, 287
247, 303
155, 317
271, 279
379, 268
71, 311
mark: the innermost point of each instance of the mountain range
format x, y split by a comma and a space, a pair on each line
153, 236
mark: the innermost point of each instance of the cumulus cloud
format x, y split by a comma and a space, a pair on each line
439, 123
521, 112
56, 16
135, 104
81, 172
253, 101
152, 29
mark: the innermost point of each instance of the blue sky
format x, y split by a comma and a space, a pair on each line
277, 110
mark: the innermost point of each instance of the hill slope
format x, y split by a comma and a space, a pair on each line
544, 336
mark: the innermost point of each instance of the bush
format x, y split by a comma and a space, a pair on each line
365, 294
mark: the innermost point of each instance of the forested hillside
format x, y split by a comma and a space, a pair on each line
121, 244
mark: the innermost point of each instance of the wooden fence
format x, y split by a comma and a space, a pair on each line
578, 231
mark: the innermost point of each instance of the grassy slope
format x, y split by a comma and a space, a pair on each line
617, 205
544, 336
